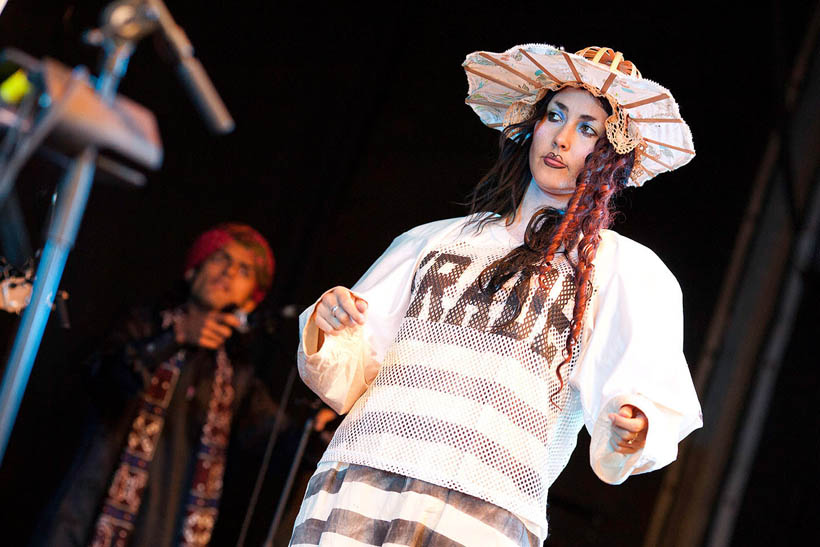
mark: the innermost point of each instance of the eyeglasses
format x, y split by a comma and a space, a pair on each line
224, 259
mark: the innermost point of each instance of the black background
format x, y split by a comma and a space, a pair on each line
351, 128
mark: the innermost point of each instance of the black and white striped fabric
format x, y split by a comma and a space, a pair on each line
350, 505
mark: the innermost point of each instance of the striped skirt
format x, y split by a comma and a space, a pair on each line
350, 505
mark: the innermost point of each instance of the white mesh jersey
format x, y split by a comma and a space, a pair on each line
462, 399
441, 388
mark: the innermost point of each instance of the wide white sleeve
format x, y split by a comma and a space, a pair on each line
632, 353
342, 369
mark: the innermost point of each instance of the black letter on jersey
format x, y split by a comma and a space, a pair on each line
434, 282
557, 320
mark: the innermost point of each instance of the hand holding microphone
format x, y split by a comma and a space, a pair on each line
207, 329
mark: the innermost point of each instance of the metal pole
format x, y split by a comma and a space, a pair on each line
294, 468
72, 197
263, 468
751, 431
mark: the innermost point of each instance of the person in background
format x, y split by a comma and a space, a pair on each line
175, 392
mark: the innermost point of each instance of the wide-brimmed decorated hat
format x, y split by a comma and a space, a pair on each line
504, 88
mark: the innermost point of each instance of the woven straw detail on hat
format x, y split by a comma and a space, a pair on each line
504, 88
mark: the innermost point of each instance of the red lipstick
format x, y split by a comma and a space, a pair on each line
551, 160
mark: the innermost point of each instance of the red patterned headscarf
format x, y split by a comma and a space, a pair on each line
219, 236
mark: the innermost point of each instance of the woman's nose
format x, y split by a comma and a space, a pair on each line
563, 138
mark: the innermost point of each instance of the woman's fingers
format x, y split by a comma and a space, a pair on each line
629, 428
630, 418
339, 309
624, 433
627, 449
326, 320
626, 442
629, 424
335, 313
348, 309
323, 325
624, 436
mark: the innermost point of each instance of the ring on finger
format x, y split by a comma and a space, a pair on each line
630, 441
333, 310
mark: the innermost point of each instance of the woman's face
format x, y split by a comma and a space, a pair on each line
563, 139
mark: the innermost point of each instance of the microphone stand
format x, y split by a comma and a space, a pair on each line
124, 22
71, 199
294, 468
263, 468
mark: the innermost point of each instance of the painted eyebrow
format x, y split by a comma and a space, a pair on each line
584, 117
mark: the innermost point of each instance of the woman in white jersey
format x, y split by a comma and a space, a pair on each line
472, 352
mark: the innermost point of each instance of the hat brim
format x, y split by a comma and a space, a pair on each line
501, 85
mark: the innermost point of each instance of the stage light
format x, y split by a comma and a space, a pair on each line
15, 87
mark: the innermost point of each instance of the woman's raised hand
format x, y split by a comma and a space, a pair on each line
339, 309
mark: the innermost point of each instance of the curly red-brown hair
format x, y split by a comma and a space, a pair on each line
550, 231
589, 211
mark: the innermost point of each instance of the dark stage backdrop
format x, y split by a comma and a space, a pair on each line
351, 128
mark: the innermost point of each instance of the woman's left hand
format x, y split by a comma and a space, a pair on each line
629, 427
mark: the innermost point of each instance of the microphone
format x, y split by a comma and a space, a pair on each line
192, 73
240, 314
194, 78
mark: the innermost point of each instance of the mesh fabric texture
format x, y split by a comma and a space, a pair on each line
462, 399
